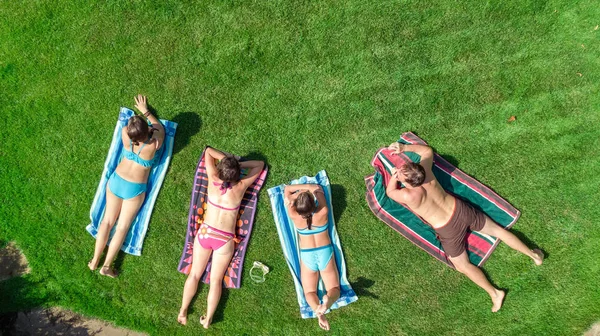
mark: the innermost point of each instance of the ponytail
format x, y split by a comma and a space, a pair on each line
308, 221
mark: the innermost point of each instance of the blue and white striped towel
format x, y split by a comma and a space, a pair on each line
291, 249
135, 238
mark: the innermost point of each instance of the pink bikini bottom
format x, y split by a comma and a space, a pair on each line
211, 238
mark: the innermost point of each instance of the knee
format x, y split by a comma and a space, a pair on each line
216, 284
107, 222
335, 289
122, 229
194, 276
461, 267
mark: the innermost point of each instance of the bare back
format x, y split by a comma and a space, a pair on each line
320, 218
132, 171
431, 202
217, 217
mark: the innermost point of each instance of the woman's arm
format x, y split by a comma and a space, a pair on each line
141, 103
256, 168
211, 155
291, 191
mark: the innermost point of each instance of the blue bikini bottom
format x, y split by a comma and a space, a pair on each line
125, 189
317, 258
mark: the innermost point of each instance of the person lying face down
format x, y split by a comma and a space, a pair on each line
449, 216
126, 187
216, 235
307, 207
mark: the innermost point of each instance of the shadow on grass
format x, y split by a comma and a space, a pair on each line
188, 125
361, 285
219, 312
118, 263
532, 245
338, 201
18, 294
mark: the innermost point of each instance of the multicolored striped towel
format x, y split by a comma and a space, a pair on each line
137, 232
454, 181
291, 249
245, 221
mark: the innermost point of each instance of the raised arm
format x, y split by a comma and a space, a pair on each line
210, 155
255, 167
391, 189
290, 192
141, 103
425, 152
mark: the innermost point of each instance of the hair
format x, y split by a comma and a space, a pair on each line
414, 173
305, 206
137, 129
229, 169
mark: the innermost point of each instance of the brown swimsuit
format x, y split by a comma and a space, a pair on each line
452, 235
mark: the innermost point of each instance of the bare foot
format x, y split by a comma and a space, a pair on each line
204, 321
323, 323
497, 300
109, 272
322, 308
92, 265
182, 318
538, 258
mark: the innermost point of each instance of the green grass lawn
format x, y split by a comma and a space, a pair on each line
309, 86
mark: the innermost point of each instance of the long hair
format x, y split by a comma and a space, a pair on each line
137, 129
305, 206
229, 169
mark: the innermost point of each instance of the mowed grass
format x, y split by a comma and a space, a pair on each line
308, 86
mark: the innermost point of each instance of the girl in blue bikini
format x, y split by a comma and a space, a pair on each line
126, 188
308, 210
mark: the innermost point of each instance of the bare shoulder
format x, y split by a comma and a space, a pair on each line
412, 197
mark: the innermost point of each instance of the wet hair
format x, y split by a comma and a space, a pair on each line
138, 130
229, 169
305, 206
414, 173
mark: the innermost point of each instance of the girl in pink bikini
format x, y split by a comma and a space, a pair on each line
216, 235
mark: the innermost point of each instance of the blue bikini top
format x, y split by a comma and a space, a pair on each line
315, 229
135, 157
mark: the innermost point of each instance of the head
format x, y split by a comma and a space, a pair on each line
229, 169
137, 129
412, 173
305, 206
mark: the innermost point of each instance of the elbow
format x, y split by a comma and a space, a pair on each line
429, 151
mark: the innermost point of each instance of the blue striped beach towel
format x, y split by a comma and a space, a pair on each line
135, 238
291, 249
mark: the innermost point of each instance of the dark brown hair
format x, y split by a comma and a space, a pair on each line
137, 129
414, 173
305, 206
229, 169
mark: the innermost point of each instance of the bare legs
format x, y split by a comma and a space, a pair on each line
125, 211
310, 280
493, 229
220, 261
199, 261
111, 213
464, 266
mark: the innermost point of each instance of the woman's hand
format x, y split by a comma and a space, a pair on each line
141, 103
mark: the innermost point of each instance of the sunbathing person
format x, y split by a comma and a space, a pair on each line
308, 210
126, 187
449, 216
216, 235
